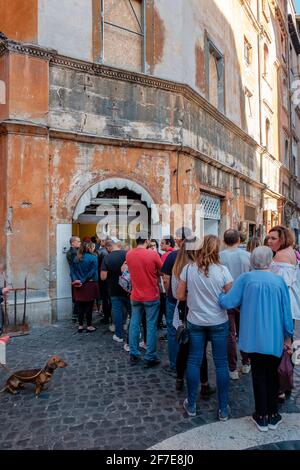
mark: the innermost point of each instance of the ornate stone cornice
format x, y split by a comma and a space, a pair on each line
10, 126
7, 45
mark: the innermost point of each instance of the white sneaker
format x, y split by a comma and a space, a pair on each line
234, 375
116, 338
143, 345
246, 368
112, 328
126, 347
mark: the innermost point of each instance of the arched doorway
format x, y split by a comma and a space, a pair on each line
125, 197
84, 223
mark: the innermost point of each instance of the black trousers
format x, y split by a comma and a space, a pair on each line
85, 309
106, 302
265, 382
181, 363
1, 319
162, 309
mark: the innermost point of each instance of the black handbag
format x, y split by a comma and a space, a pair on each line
182, 332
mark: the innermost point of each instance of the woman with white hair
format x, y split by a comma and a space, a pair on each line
266, 329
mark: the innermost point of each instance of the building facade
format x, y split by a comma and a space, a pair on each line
161, 101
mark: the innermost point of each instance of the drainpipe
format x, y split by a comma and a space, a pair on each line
260, 105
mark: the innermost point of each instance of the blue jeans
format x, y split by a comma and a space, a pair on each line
120, 304
152, 311
171, 334
218, 335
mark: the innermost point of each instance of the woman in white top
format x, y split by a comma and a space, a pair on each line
204, 281
281, 240
183, 258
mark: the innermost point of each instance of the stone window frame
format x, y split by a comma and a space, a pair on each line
211, 48
142, 33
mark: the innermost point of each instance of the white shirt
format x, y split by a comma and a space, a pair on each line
203, 294
291, 275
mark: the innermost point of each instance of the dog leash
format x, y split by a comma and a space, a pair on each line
28, 378
18, 376
4, 367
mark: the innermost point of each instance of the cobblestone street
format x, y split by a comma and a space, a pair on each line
100, 401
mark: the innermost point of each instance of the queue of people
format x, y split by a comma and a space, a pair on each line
235, 299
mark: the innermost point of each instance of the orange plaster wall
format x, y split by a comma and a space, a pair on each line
28, 88
75, 168
19, 19
29, 199
4, 76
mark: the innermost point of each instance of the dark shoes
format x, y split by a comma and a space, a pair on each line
179, 384
274, 420
206, 391
152, 363
261, 422
134, 359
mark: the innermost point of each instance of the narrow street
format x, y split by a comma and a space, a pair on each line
101, 402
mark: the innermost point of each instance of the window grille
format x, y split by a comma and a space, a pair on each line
211, 206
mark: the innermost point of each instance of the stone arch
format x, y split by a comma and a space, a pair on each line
118, 183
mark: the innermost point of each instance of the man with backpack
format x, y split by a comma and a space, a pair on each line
110, 272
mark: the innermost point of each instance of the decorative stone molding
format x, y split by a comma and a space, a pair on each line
22, 128
73, 64
33, 50
250, 14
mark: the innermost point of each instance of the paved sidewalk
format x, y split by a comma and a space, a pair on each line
100, 401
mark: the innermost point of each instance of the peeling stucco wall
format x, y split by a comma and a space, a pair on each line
66, 26
113, 108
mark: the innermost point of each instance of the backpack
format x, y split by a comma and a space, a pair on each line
125, 281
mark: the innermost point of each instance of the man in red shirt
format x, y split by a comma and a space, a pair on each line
167, 245
144, 267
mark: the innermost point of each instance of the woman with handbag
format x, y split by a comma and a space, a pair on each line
84, 275
185, 257
201, 283
266, 328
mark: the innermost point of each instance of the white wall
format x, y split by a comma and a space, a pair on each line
63, 282
66, 25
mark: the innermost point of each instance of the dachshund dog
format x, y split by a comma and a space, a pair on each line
37, 376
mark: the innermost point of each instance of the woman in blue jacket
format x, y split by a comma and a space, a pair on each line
84, 275
266, 328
